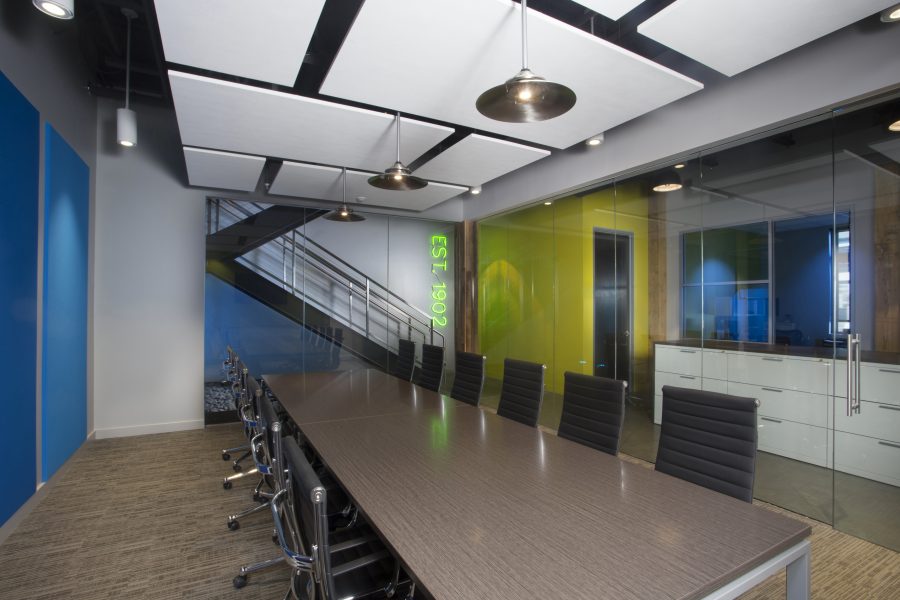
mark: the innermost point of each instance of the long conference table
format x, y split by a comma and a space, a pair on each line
477, 506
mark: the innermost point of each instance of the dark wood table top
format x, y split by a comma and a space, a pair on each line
478, 506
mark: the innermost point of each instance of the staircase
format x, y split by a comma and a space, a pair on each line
261, 251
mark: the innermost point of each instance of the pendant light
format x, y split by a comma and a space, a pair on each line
343, 213
126, 119
61, 9
398, 178
526, 98
667, 180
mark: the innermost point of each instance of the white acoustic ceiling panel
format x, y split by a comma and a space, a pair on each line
734, 35
229, 116
477, 159
614, 9
209, 168
435, 57
324, 183
260, 40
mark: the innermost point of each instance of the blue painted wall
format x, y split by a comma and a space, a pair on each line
266, 340
64, 373
19, 152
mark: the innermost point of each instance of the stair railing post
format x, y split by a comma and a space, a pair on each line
350, 304
367, 308
293, 261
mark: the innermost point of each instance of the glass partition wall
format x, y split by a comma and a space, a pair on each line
750, 268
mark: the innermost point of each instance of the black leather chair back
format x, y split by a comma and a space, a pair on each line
432, 371
593, 410
469, 379
522, 391
405, 362
709, 439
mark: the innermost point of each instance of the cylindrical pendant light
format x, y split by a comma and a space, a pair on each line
526, 98
126, 119
397, 178
61, 9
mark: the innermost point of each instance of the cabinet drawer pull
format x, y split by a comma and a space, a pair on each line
886, 407
883, 443
770, 420
772, 390
773, 359
688, 351
895, 371
687, 377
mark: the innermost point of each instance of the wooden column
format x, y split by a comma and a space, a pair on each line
887, 262
657, 275
466, 278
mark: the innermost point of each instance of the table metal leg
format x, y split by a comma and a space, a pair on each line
798, 578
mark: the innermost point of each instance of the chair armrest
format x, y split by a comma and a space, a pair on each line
255, 442
295, 559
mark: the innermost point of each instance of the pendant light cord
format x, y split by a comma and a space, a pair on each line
524, 35
128, 63
398, 137
344, 185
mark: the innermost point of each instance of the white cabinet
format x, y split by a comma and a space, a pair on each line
879, 383
674, 359
794, 440
867, 457
783, 372
801, 407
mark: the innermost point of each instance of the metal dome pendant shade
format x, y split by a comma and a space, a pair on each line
398, 178
526, 98
343, 213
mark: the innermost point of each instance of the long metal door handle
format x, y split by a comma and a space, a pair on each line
858, 394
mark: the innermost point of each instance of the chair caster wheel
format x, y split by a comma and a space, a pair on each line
239, 581
257, 497
237, 467
226, 456
275, 539
234, 525
226, 484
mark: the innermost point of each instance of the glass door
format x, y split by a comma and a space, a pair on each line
866, 299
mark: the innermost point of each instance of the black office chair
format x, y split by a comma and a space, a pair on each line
405, 362
709, 439
522, 391
593, 410
469, 379
327, 565
432, 372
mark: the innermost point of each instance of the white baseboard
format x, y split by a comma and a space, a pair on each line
114, 432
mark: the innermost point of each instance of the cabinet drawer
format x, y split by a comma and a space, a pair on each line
867, 457
672, 359
693, 382
715, 364
783, 372
879, 383
811, 409
794, 440
875, 420
715, 385
657, 409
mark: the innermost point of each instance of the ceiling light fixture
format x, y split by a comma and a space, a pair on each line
61, 9
595, 141
126, 119
475, 190
526, 98
343, 213
895, 126
679, 166
548, 203
891, 15
397, 178
667, 181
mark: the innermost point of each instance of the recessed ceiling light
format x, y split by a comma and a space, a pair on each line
895, 126
594, 141
679, 166
891, 15
475, 190
61, 9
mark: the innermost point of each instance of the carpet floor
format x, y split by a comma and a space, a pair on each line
144, 517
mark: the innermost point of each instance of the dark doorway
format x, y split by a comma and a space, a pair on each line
612, 305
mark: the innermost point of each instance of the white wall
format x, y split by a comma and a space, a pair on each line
826, 73
148, 284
